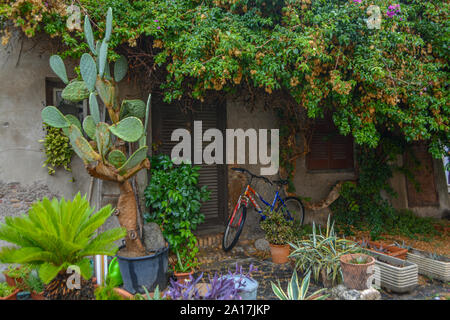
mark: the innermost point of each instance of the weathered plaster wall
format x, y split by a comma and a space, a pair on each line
23, 70
315, 185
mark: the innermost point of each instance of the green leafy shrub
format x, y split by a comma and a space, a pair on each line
278, 230
57, 234
57, 149
175, 199
320, 254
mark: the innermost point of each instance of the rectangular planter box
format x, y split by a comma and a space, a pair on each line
436, 269
391, 250
395, 274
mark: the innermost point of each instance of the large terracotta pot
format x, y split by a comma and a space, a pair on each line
356, 276
280, 253
183, 276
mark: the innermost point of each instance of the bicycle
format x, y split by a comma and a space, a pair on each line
294, 209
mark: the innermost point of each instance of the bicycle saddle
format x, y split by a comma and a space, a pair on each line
281, 182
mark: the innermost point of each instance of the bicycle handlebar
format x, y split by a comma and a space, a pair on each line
252, 175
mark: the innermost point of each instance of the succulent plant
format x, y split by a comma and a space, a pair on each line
99, 144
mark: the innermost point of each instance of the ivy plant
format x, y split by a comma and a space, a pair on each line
174, 199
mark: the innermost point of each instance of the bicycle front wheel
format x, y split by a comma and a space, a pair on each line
294, 208
234, 229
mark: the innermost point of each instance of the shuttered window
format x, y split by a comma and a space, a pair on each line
328, 149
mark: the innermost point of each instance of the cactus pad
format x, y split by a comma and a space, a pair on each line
89, 127
89, 35
129, 129
117, 158
54, 118
102, 137
75, 91
93, 108
120, 68
73, 120
58, 67
88, 71
102, 57
81, 146
106, 92
136, 158
134, 108
109, 19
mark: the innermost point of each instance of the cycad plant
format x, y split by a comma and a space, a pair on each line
321, 252
102, 145
58, 234
296, 291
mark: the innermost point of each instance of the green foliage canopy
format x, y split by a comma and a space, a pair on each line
320, 52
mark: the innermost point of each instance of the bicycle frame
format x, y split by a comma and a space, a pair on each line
247, 197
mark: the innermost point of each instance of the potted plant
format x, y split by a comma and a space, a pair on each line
356, 270
35, 286
8, 292
57, 235
430, 264
184, 266
394, 274
174, 197
278, 232
15, 275
320, 254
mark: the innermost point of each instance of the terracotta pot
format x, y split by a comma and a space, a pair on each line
279, 253
12, 296
183, 276
356, 276
37, 295
13, 282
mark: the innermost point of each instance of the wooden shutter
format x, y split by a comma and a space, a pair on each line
329, 149
423, 175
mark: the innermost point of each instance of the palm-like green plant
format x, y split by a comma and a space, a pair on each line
320, 253
57, 234
295, 291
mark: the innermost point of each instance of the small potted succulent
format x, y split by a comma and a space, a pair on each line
184, 267
8, 292
279, 232
356, 270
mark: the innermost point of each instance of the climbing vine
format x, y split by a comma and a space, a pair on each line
378, 65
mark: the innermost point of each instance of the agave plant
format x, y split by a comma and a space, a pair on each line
102, 145
58, 234
320, 254
296, 291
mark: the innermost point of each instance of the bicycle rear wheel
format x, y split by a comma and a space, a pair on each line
295, 209
234, 229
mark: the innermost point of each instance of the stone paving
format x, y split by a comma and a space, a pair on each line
213, 259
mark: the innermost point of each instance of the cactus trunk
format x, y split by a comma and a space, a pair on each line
128, 215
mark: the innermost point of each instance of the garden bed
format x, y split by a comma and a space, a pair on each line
395, 274
432, 265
